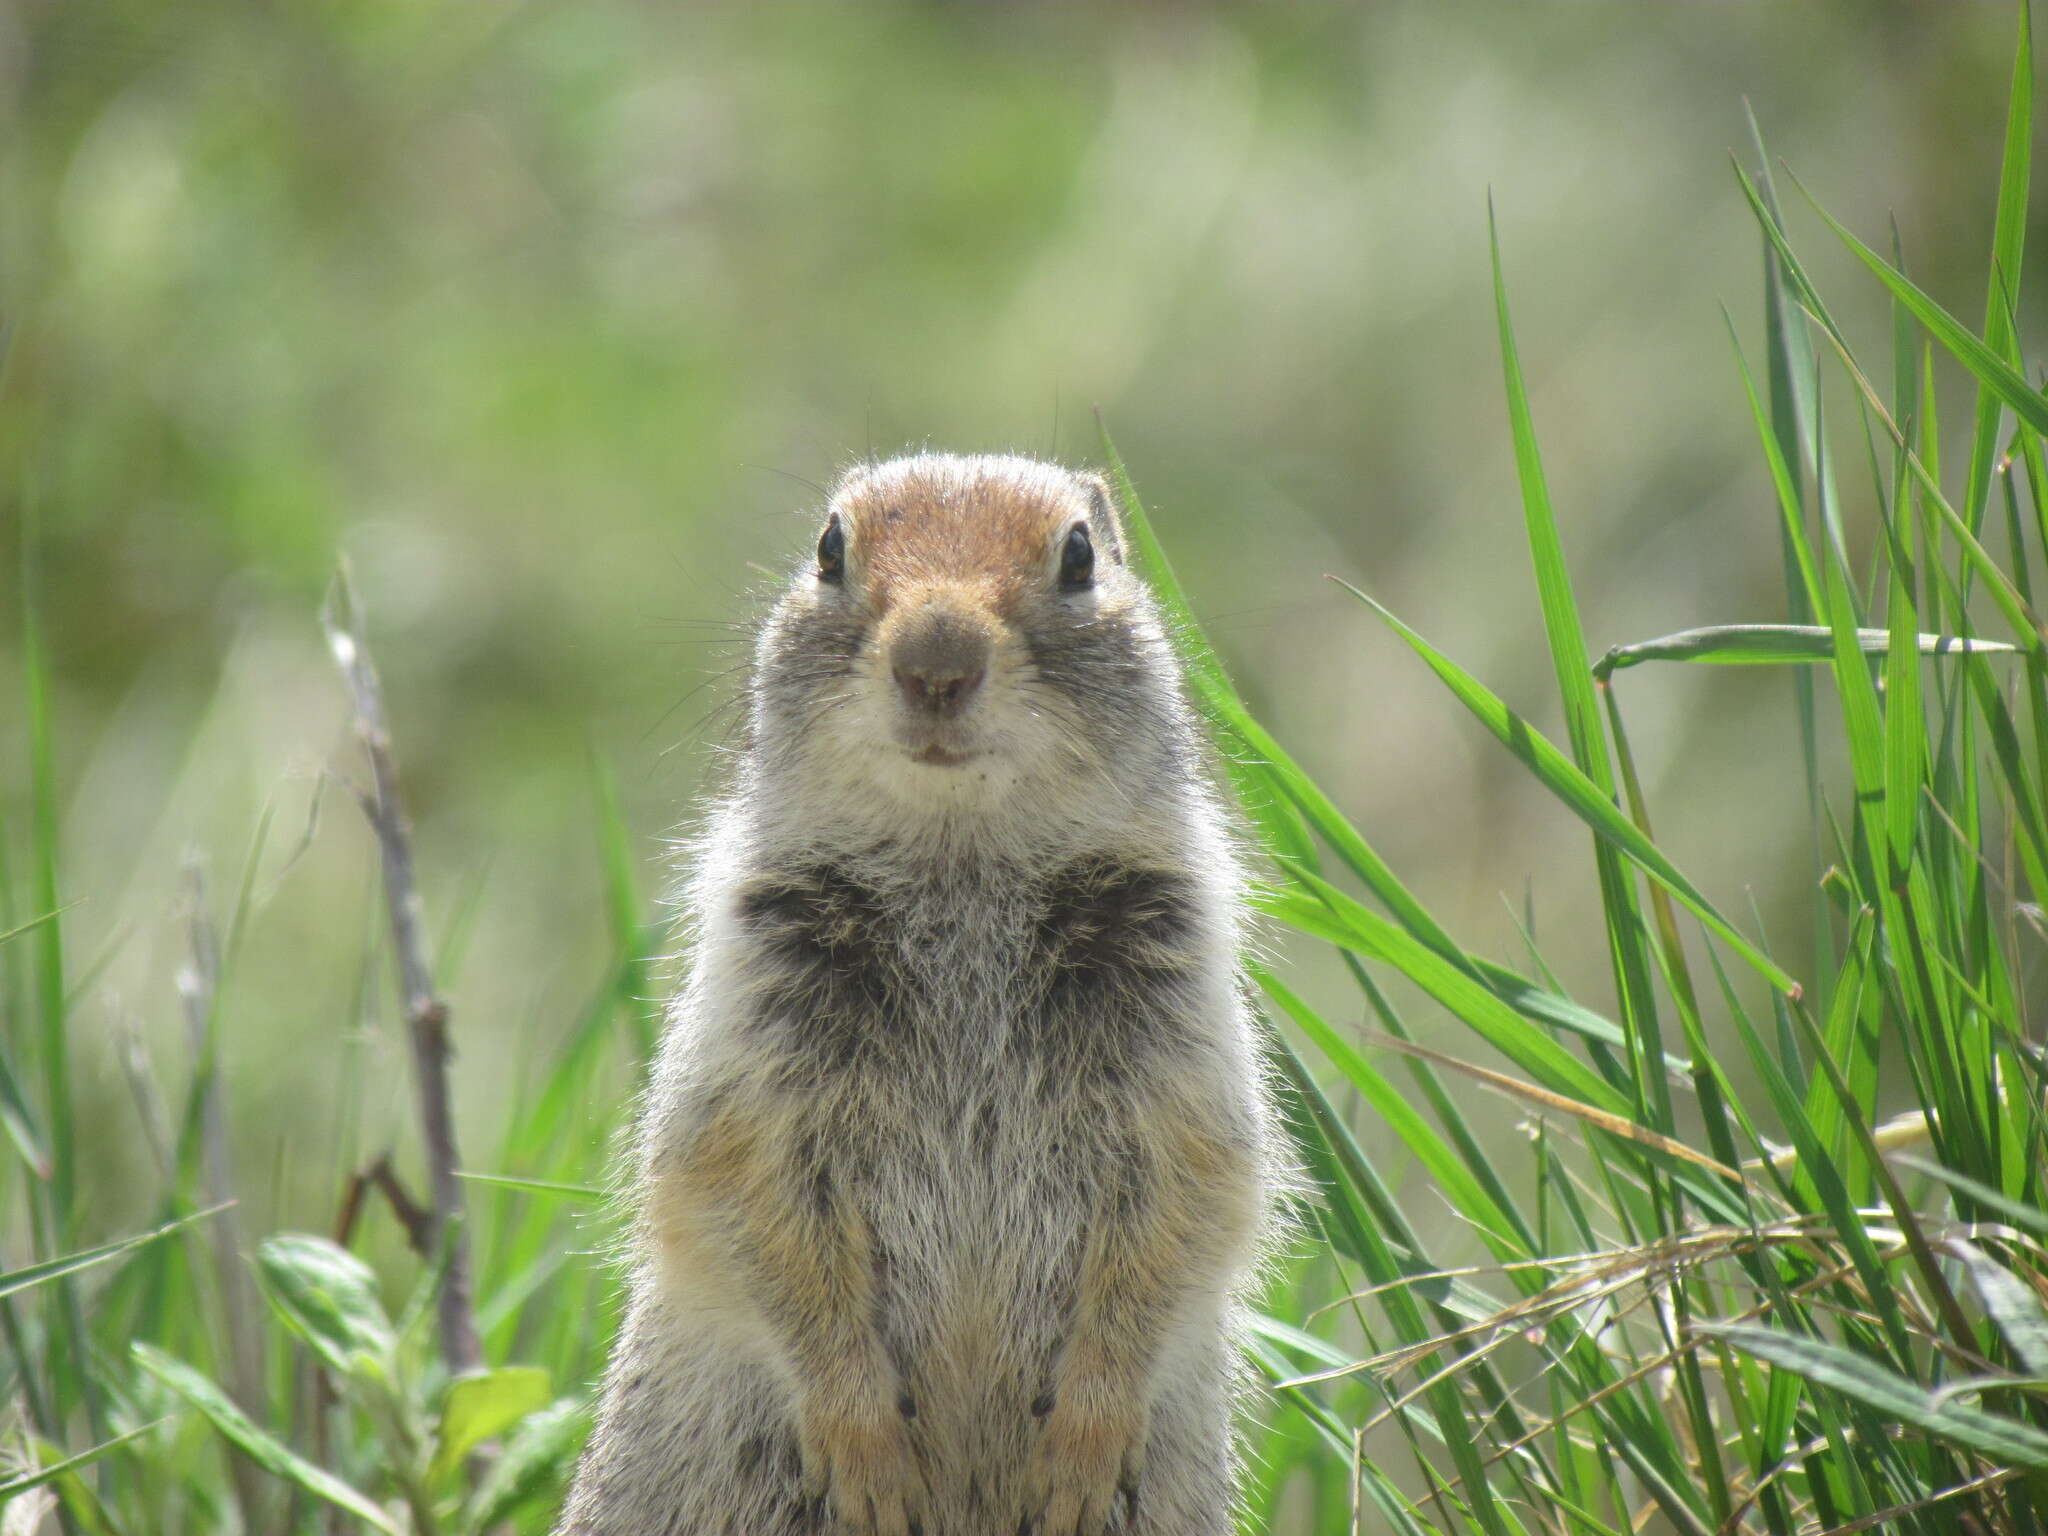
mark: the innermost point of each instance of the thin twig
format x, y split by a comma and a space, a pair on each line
426, 1013
198, 984
415, 1218
150, 1114
418, 1224
1990, 1481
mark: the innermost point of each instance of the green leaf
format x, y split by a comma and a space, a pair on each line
537, 1457
2002, 1440
1761, 645
1577, 792
241, 1432
329, 1298
483, 1405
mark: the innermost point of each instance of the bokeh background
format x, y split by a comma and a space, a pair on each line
552, 319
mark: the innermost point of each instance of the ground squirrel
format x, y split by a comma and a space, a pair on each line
957, 1154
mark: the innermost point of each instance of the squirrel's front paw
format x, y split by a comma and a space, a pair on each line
865, 1468
1090, 1453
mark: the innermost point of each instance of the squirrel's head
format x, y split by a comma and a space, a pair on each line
967, 638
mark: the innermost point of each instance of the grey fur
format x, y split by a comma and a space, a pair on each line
957, 1155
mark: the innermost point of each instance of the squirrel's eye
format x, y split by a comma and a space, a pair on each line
1077, 558
832, 551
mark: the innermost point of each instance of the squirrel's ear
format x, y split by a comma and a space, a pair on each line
1102, 513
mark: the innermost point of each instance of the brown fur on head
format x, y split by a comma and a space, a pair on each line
991, 525
968, 636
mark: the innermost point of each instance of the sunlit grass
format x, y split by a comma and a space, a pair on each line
1729, 1292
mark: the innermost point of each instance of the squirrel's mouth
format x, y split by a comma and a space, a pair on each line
940, 757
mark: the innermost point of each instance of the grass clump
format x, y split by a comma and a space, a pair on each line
1739, 1288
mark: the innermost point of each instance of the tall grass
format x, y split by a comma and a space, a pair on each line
1774, 1261
1729, 1292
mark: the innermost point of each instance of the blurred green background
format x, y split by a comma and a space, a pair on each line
551, 318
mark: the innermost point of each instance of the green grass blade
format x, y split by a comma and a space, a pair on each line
2023, 784
34, 923
1991, 370
1717, 1106
1355, 926
1905, 724
2027, 447
54, 1037
1794, 380
240, 1431
1909, 1223
1502, 1230
2017, 611
2008, 242
2025, 624
19, 1120
15, 1486
2018, 1212
1278, 820
1763, 645
1577, 792
1281, 781
1326, 1355
1802, 587
587, 1193
1547, 1007
2001, 1440
1789, 369
635, 938
1553, 580
1362, 1218
1584, 729
52, 1269
2010, 1303
1862, 717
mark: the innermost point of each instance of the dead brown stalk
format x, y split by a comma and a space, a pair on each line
425, 1012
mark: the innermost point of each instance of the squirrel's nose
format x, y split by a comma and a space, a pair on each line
937, 695
939, 662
